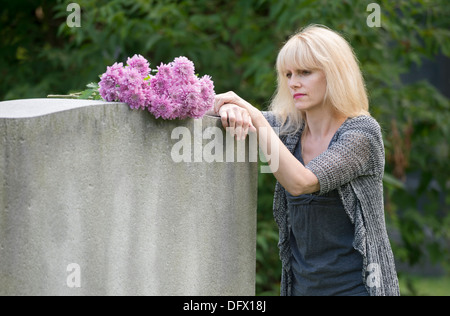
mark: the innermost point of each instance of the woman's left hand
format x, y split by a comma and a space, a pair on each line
235, 113
237, 120
232, 98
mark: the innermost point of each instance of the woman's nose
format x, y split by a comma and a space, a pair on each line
294, 82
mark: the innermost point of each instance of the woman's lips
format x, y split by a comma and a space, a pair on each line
299, 95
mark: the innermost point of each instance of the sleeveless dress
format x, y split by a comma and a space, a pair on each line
324, 261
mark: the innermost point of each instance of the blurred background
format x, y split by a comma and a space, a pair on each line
405, 63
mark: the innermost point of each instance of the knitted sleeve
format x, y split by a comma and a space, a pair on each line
356, 150
271, 118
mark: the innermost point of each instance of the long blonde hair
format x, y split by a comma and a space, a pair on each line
316, 47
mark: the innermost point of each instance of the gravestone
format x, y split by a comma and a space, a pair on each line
94, 202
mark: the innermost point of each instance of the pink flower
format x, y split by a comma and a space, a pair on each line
116, 69
174, 92
183, 69
131, 77
207, 90
180, 111
140, 64
134, 98
161, 107
165, 71
158, 84
109, 82
110, 95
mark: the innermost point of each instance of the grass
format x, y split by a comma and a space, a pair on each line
410, 285
415, 285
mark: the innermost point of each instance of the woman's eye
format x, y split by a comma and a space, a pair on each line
299, 73
305, 72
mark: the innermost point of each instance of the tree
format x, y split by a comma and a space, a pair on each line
236, 42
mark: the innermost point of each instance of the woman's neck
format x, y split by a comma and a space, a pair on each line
323, 122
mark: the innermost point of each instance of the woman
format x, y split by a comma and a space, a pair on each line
328, 200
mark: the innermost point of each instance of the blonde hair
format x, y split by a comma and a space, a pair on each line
316, 47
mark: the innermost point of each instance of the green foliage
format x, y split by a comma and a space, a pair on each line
91, 92
268, 265
236, 42
416, 285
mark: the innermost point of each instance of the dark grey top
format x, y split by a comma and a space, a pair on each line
323, 261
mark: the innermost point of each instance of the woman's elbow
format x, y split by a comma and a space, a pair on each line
305, 184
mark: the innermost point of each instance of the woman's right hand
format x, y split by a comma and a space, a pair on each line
237, 119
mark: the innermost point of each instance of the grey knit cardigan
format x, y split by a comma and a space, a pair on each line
354, 165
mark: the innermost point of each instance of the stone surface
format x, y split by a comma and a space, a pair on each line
94, 184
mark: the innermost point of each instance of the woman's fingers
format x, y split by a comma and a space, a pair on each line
245, 124
237, 120
222, 99
224, 118
234, 113
230, 98
249, 127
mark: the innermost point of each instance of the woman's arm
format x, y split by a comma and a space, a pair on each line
286, 168
236, 119
358, 152
290, 172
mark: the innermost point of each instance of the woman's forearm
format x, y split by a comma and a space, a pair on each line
292, 175
287, 169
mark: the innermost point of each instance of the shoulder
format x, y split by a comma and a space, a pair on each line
362, 135
363, 125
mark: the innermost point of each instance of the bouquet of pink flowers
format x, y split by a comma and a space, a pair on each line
173, 92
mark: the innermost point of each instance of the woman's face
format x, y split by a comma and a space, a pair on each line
308, 87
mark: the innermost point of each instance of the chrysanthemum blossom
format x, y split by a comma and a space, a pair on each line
140, 64
207, 91
161, 106
183, 69
109, 82
174, 92
130, 88
135, 97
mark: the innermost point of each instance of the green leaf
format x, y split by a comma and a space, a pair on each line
392, 181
